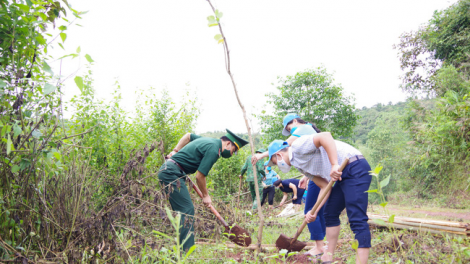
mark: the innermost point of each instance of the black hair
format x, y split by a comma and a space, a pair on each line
225, 138
276, 183
301, 121
282, 150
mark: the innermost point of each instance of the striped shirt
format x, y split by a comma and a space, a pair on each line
312, 161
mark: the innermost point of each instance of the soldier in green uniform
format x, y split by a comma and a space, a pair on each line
248, 168
193, 154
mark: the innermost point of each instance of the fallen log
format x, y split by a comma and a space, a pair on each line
422, 225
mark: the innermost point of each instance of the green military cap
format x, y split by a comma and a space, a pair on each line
261, 150
238, 141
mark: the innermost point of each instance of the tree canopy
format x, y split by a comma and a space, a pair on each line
314, 96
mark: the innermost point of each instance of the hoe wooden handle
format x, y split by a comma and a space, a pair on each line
319, 201
211, 207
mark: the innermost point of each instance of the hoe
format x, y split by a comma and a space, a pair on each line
236, 234
292, 244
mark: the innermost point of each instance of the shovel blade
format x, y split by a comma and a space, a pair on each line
285, 242
238, 235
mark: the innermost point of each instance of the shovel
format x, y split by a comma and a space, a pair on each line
292, 244
236, 234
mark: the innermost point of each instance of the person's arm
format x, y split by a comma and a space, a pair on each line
326, 141
294, 189
322, 183
291, 140
201, 183
244, 168
259, 156
284, 198
303, 183
183, 142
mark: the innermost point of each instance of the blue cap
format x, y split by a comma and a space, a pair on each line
274, 147
267, 167
287, 119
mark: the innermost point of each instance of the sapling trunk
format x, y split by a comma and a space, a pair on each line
248, 128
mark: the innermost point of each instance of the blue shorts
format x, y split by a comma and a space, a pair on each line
300, 194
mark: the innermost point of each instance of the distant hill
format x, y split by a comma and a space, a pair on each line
368, 116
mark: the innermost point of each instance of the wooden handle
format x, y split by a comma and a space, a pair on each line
319, 201
211, 207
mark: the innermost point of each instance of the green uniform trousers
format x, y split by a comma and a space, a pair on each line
252, 190
172, 181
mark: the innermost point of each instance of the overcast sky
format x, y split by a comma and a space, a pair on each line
167, 44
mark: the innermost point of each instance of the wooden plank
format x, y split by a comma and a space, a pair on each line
422, 229
424, 221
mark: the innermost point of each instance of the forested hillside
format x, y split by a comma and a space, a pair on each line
368, 118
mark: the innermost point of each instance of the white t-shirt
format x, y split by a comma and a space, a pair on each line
312, 161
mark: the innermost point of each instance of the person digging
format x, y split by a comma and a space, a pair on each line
291, 186
318, 156
268, 185
193, 154
248, 168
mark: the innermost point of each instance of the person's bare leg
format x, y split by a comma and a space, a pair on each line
362, 255
318, 249
332, 234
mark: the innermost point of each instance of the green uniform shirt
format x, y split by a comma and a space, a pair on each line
199, 154
248, 168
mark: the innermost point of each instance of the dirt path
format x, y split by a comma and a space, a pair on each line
428, 212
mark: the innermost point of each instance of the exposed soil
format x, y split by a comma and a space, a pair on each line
464, 216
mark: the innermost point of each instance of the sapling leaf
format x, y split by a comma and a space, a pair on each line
385, 182
384, 204
391, 219
47, 68
2, 84
79, 82
161, 234
16, 130
191, 249
219, 38
36, 133
218, 14
63, 36
377, 169
23, 8
15, 168
78, 49
48, 88
88, 58
371, 191
355, 245
41, 40
212, 21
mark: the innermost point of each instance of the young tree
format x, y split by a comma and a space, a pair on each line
314, 96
